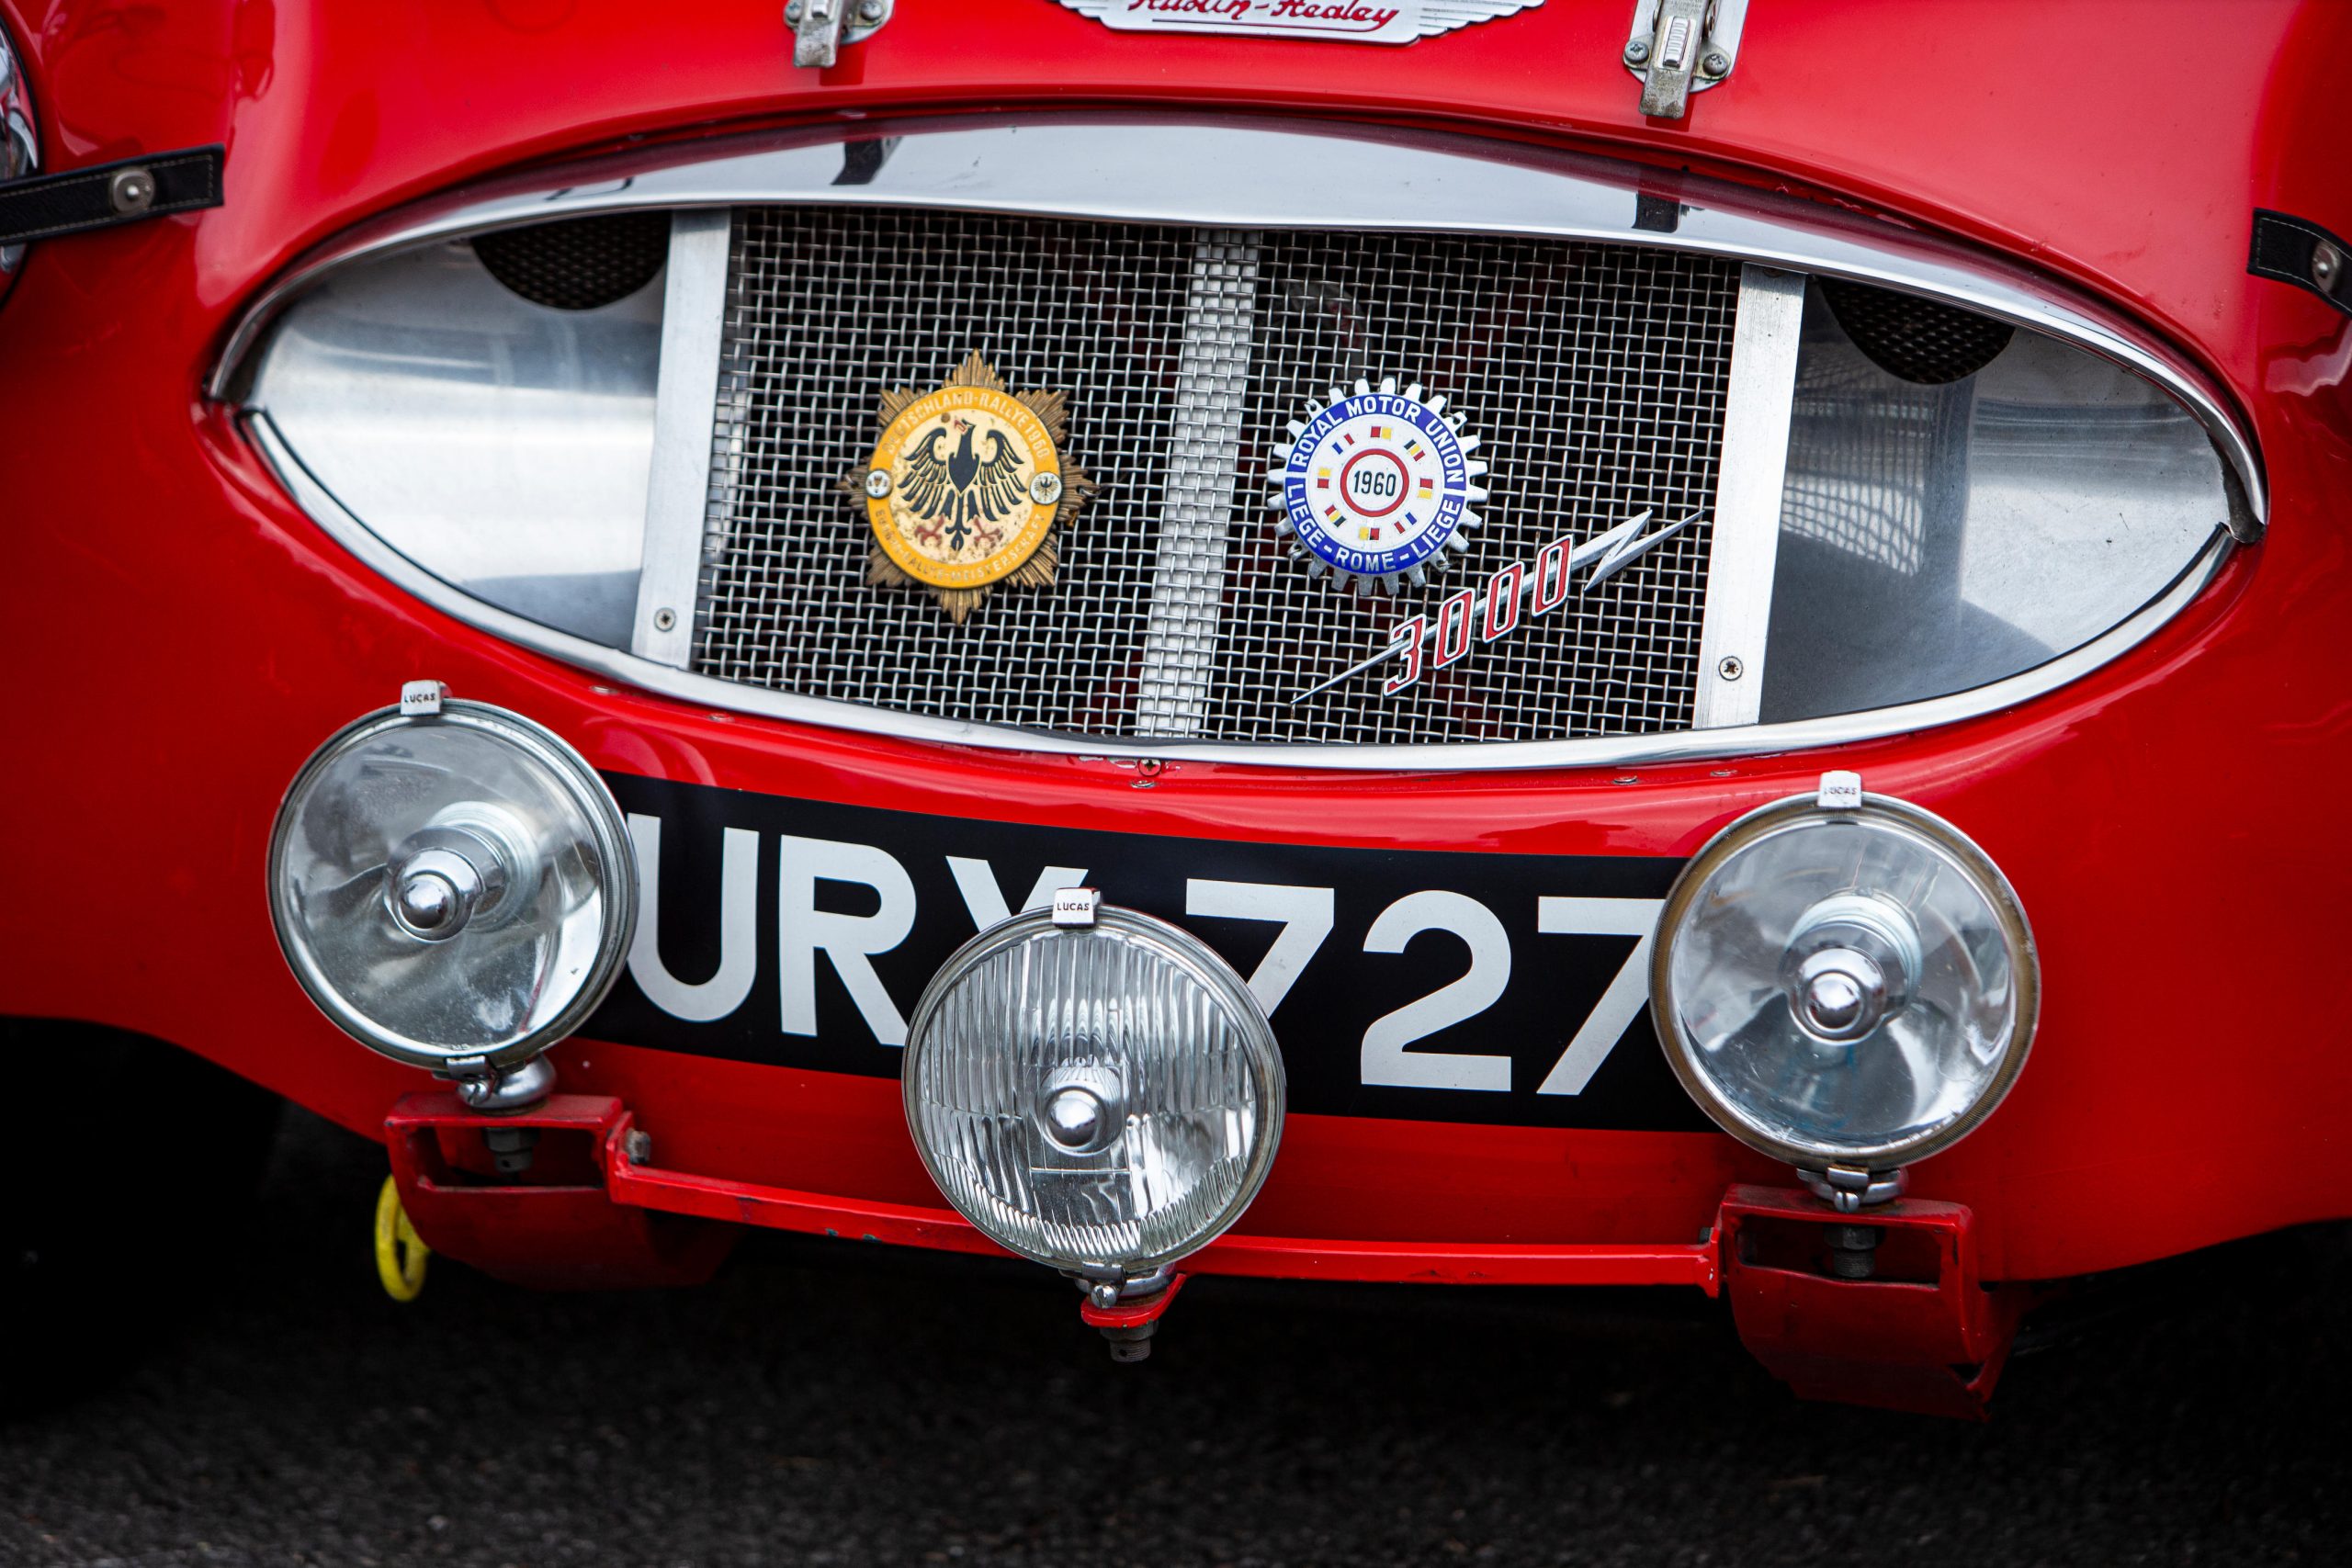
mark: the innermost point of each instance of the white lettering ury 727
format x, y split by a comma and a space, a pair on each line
1306, 916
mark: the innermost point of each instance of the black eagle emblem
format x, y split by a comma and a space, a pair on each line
955, 475
963, 489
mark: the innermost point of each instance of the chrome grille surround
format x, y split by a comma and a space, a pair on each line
1594, 376
1240, 172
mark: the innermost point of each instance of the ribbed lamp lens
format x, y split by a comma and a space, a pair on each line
1850, 987
452, 886
1104, 1099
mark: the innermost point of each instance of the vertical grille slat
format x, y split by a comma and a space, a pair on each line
1188, 587
1595, 376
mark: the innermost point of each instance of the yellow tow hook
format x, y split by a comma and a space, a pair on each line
400, 1252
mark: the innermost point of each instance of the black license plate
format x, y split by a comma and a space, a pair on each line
1433, 986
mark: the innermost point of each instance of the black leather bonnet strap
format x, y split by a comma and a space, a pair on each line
100, 197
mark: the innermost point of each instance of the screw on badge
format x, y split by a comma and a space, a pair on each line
1375, 487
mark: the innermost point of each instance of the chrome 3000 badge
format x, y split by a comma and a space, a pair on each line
1375, 487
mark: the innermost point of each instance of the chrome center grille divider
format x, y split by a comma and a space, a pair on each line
685, 408
1196, 514
1748, 480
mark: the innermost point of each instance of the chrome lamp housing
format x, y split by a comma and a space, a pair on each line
453, 886
1845, 982
19, 144
1094, 1089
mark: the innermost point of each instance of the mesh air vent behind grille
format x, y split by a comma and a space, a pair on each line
1913, 339
580, 263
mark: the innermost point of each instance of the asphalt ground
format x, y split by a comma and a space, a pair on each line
840, 1403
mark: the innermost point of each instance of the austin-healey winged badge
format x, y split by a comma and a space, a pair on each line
966, 488
1341, 21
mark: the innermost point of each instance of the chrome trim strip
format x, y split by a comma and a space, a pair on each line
1608, 751
685, 411
1196, 508
1246, 173
1747, 532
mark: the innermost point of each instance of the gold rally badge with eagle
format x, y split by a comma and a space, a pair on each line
966, 486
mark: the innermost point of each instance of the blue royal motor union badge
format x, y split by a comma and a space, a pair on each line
1375, 487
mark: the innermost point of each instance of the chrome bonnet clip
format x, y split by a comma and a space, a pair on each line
820, 28
1681, 47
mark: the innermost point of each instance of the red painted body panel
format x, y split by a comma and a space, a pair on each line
179, 637
1922, 1333
554, 1225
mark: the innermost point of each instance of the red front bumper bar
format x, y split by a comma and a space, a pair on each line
1921, 1332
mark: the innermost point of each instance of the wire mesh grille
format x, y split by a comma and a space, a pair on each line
1594, 374
829, 307
1594, 377
1913, 339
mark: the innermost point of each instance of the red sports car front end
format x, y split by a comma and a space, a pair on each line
1454, 642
